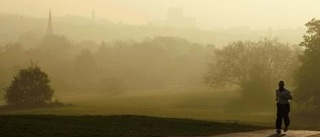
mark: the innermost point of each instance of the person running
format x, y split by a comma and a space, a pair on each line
283, 107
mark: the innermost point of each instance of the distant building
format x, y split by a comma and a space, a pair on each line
49, 28
176, 19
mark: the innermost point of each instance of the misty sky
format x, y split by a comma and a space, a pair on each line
257, 14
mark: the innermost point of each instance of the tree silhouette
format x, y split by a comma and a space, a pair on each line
29, 88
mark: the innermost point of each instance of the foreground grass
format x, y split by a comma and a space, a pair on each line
112, 126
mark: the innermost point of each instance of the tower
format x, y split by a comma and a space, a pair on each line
49, 28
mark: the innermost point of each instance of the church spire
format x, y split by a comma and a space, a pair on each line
49, 28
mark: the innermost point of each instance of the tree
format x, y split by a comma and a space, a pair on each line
307, 76
255, 67
29, 88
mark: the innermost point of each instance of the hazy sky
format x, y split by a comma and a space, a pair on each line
257, 14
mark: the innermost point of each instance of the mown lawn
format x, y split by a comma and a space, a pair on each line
112, 126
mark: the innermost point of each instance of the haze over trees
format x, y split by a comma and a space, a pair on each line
158, 63
154, 63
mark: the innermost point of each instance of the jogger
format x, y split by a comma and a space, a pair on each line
283, 107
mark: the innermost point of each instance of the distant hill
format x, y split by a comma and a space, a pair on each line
19, 28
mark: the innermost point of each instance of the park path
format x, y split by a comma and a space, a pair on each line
271, 133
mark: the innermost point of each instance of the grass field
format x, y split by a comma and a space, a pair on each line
98, 114
201, 105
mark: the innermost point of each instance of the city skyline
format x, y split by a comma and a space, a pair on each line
209, 14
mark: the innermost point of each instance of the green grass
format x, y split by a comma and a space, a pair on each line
112, 126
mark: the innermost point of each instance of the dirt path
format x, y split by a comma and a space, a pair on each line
271, 133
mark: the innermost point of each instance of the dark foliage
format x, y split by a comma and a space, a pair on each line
308, 75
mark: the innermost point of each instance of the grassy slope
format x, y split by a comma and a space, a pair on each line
111, 126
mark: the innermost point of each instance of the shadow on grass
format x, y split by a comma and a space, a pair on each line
277, 135
113, 126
